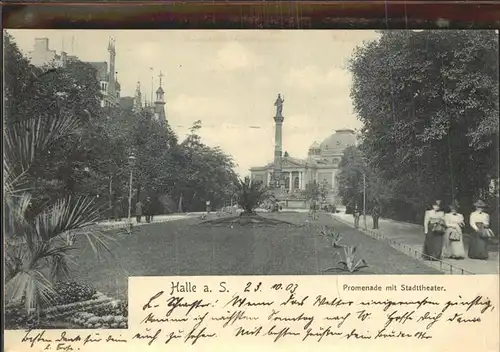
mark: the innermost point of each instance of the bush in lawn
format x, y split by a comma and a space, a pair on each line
333, 236
250, 195
349, 264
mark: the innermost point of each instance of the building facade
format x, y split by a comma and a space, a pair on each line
106, 73
289, 176
157, 109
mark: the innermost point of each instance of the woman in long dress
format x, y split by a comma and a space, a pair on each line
434, 228
453, 245
480, 222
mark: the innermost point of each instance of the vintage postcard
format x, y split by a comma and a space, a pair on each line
277, 190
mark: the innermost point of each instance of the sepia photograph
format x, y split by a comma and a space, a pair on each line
132, 153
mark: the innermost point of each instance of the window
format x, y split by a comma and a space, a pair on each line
296, 183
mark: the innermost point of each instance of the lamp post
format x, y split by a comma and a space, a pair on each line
364, 200
131, 159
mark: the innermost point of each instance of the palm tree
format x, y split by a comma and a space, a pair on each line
38, 242
251, 195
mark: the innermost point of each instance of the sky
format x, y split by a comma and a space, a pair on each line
230, 79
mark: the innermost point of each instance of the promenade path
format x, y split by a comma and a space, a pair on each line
120, 223
409, 238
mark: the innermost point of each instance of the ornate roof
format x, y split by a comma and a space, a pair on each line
329, 154
338, 141
288, 161
315, 145
293, 161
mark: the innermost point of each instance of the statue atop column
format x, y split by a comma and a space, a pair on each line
279, 105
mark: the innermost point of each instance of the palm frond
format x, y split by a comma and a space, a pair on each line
15, 214
25, 279
13, 263
66, 215
27, 137
99, 241
59, 268
30, 287
46, 294
361, 264
45, 251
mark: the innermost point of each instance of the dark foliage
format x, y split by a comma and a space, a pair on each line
429, 105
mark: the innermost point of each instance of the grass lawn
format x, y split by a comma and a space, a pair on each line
186, 247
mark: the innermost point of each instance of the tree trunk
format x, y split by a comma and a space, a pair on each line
138, 191
193, 200
179, 209
110, 196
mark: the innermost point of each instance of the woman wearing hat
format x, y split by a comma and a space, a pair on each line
480, 222
453, 245
434, 228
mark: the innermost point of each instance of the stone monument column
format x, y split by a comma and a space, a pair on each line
278, 141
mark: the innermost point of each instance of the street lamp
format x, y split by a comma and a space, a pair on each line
131, 160
365, 164
364, 200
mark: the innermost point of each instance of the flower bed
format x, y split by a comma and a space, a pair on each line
80, 309
102, 312
63, 310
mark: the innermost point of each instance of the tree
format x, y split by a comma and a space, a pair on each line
350, 177
323, 190
311, 191
38, 241
204, 173
429, 105
376, 190
52, 94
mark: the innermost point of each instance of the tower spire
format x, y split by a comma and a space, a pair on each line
160, 76
112, 71
160, 102
138, 98
111, 45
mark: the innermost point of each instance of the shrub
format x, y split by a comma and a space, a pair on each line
251, 194
333, 236
16, 317
73, 291
349, 263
